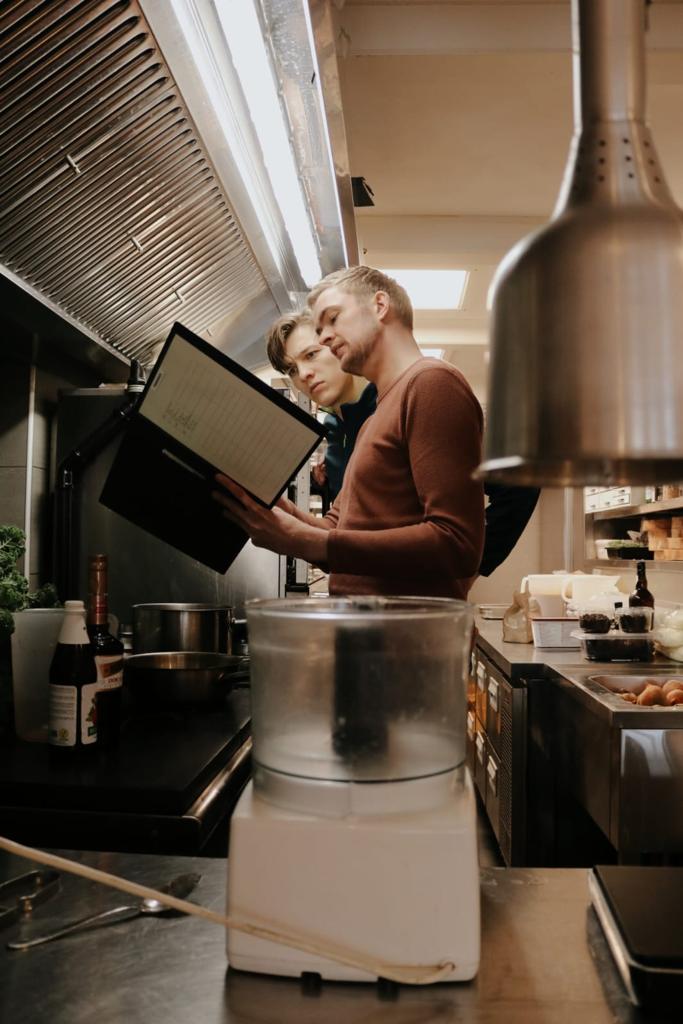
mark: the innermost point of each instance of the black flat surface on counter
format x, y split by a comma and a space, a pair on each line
647, 905
162, 763
544, 961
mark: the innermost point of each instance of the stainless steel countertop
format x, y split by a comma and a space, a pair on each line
521, 659
544, 961
570, 667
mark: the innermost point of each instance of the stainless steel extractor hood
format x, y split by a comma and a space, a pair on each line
123, 203
586, 382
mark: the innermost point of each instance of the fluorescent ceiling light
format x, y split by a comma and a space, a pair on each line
251, 59
432, 289
432, 353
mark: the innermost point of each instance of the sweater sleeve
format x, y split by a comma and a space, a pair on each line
442, 426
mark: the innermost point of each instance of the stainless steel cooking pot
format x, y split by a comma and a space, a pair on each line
165, 679
182, 627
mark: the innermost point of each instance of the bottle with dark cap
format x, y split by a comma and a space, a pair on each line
108, 652
641, 597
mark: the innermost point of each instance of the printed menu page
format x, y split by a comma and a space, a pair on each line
225, 420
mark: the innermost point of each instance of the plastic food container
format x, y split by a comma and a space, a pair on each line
634, 620
358, 689
33, 644
595, 622
554, 632
616, 646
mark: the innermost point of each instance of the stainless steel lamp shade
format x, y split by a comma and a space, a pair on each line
586, 369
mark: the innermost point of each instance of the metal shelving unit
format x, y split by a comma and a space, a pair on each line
593, 532
626, 511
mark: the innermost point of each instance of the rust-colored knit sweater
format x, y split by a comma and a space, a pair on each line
409, 519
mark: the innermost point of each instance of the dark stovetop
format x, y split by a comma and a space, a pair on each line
161, 765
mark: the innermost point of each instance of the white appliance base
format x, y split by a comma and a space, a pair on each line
401, 887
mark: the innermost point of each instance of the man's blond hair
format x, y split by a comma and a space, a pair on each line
278, 335
367, 281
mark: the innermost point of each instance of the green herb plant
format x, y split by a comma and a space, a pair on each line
14, 595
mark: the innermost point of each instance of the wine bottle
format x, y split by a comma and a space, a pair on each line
641, 597
108, 653
73, 686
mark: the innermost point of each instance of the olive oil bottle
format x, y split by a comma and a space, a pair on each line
73, 686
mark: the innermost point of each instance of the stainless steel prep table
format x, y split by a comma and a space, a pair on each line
544, 961
568, 772
516, 660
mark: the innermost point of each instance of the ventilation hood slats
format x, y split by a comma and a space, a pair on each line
109, 205
121, 194
86, 246
170, 268
153, 137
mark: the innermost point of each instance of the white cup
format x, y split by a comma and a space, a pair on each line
549, 605
543, 583
33, 644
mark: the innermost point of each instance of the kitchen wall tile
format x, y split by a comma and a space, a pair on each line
12, 495
13, 413
40, 522
41, 435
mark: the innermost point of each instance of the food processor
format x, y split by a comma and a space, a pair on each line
359, 827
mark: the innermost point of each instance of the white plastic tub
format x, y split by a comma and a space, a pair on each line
33, 644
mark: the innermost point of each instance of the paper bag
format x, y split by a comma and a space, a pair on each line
516, 624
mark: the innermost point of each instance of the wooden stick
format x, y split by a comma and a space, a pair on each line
407, 974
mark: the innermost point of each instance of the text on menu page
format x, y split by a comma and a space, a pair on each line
224, 420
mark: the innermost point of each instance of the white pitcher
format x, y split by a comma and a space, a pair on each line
546, 589
579, 589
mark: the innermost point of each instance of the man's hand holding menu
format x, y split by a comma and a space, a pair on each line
282, 529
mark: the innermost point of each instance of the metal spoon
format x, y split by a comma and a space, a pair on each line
181, 887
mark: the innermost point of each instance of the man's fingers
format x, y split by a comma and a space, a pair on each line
235, 514
235, 498
229, 500
226, 481
233, 488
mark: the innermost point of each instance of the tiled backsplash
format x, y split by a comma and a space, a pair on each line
25, 436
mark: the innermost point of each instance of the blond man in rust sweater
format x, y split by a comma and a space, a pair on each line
409, 518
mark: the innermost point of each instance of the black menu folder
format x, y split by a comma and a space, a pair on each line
202, 413
641, 913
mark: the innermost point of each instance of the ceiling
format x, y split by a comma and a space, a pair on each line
459, 116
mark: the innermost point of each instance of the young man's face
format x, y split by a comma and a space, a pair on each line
315, 371
348, 325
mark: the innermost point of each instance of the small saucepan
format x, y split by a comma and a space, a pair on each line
183, 678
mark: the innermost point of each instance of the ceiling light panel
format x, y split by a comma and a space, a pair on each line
433, 289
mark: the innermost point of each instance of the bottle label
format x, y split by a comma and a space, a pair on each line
98, 610
63, 709
89, 713
63, 703
109, 671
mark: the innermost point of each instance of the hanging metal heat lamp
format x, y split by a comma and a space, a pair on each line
586, 370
